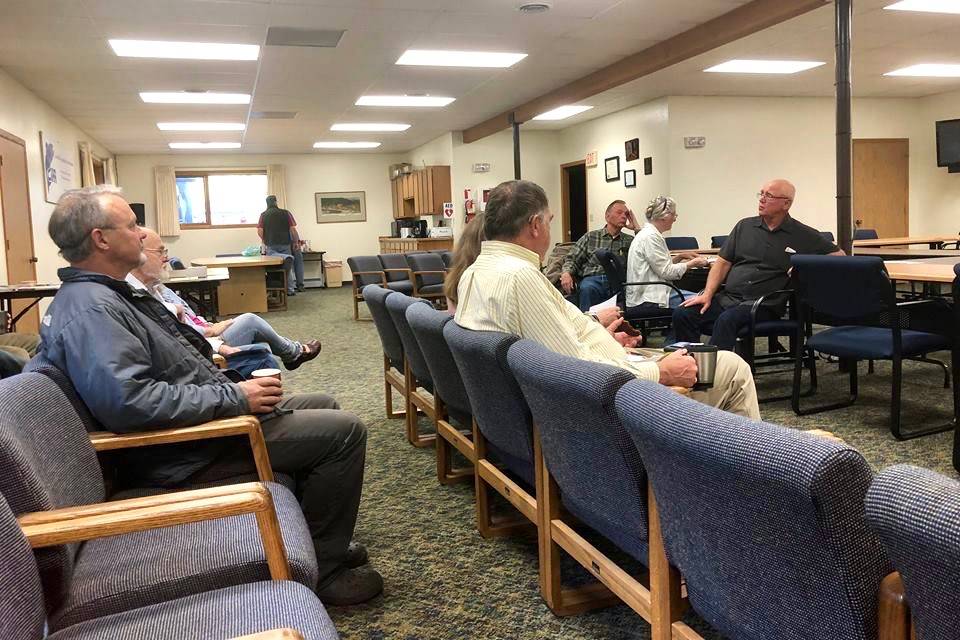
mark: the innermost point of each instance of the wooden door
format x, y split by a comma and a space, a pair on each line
17, 224
573, 200
881, 186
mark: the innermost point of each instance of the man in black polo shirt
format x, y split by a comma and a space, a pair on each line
754, 261
277, 229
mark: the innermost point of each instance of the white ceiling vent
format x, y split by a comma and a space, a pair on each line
535, 6
293, 37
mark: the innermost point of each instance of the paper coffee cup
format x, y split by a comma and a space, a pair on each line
266, 373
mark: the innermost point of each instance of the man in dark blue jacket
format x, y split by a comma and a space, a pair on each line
137, 367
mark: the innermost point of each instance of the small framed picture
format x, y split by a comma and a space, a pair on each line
630, 178
612, 168
648, 166
632, 149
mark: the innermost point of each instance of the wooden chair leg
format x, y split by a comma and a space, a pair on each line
446, 474
893, 610
487, 524
667, 606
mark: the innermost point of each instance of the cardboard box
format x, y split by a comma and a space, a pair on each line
334, 269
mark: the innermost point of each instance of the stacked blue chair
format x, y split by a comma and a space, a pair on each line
682, 243
453, 418
364, 270
376, 298
766, 524
916, 513
398, 275
716, 242
428, 271
416, 375
223, 613
590, 460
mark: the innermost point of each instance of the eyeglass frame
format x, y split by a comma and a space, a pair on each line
165, 252
761, 195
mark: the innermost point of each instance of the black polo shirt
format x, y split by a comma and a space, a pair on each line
761, 257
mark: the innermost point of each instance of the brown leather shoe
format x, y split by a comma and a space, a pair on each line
353, 586
310, 350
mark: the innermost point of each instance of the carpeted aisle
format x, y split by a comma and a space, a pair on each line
442, 579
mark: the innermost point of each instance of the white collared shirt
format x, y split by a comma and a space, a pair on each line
649, 259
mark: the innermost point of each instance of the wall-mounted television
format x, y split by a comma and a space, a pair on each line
948, 142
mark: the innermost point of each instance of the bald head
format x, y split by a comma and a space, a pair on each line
781, 187
776, 197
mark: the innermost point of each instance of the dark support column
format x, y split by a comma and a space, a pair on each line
516, 147
844, 20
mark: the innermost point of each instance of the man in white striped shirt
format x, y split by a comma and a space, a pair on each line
504, 290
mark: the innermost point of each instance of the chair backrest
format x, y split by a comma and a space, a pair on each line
717, 241
426, 262
828, 235
916, 513
397, 305
765, 523
447, 257
593, 461
40, 364
394, 261
499, 408
23, 614
376, 299
427, 325
615, 269
681, 243
359, 264
48, 463
865, 234
843, 287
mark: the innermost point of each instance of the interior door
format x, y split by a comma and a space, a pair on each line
573, 192
881, 186
17, 225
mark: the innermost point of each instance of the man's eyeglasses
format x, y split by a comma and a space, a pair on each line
163, 252
766, 195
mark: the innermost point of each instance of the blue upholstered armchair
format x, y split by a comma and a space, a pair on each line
416, 374
376, 299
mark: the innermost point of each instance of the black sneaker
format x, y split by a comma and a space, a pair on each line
353, 586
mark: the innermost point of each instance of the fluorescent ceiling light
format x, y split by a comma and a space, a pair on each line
204, 145
201, 126
563, 112
345, 145
403, 101
428, 58
764, 66
184, 50
189, 97
930, 6
928, 71
369, 126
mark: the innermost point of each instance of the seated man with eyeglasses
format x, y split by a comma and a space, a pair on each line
754, 261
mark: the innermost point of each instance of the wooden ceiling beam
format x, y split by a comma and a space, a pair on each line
739, 23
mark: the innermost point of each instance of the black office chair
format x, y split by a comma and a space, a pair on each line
716, 242
865, 234
645, 316
955, 362
855, 297
682, 243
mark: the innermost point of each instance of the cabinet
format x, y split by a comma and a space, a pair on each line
410, 245
421, 192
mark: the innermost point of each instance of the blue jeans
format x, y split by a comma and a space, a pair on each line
284, 251
250, 328
593, 290
675, 298
298, 267
251, 357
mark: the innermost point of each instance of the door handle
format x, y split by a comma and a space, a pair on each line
858, 222
33, 259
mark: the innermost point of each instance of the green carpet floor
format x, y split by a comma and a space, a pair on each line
442, 579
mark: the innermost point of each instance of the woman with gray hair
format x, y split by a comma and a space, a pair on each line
649, 258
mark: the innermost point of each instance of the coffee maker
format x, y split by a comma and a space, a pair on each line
408, 228
419, 229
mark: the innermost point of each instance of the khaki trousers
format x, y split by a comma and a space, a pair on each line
26, 341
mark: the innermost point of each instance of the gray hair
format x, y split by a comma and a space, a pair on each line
511, 206
77, 214
660, 207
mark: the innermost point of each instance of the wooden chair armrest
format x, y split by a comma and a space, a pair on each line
684, 391
220, 361
274, 634
222, 428
438, 273
894, 611
829, 435
76, 524
409, 272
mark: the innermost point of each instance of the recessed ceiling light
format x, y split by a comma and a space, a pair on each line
204, 145
764, 66
184, 50
201, 126
403, 101
190, 97
345, 145
563, 112
431, 58
369, 126
930, 6
928, 71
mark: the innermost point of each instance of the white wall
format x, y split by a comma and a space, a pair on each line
606, 136
941, 190
438, 151
25, 115
306, 175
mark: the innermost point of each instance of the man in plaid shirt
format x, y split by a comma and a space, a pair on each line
582, 263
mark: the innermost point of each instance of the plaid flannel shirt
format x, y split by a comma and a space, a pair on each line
581, 261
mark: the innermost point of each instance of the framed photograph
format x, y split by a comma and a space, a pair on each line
341, 206
612, 168
58, 168
630, 178
632, 149
648, 166
591, 159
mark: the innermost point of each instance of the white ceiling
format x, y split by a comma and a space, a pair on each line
58, 50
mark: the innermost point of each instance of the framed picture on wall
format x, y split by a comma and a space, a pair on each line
341, 206
630, 178
58, 168
632, 149
612, 168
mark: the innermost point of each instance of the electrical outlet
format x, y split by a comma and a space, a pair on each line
694, 142
481, 167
